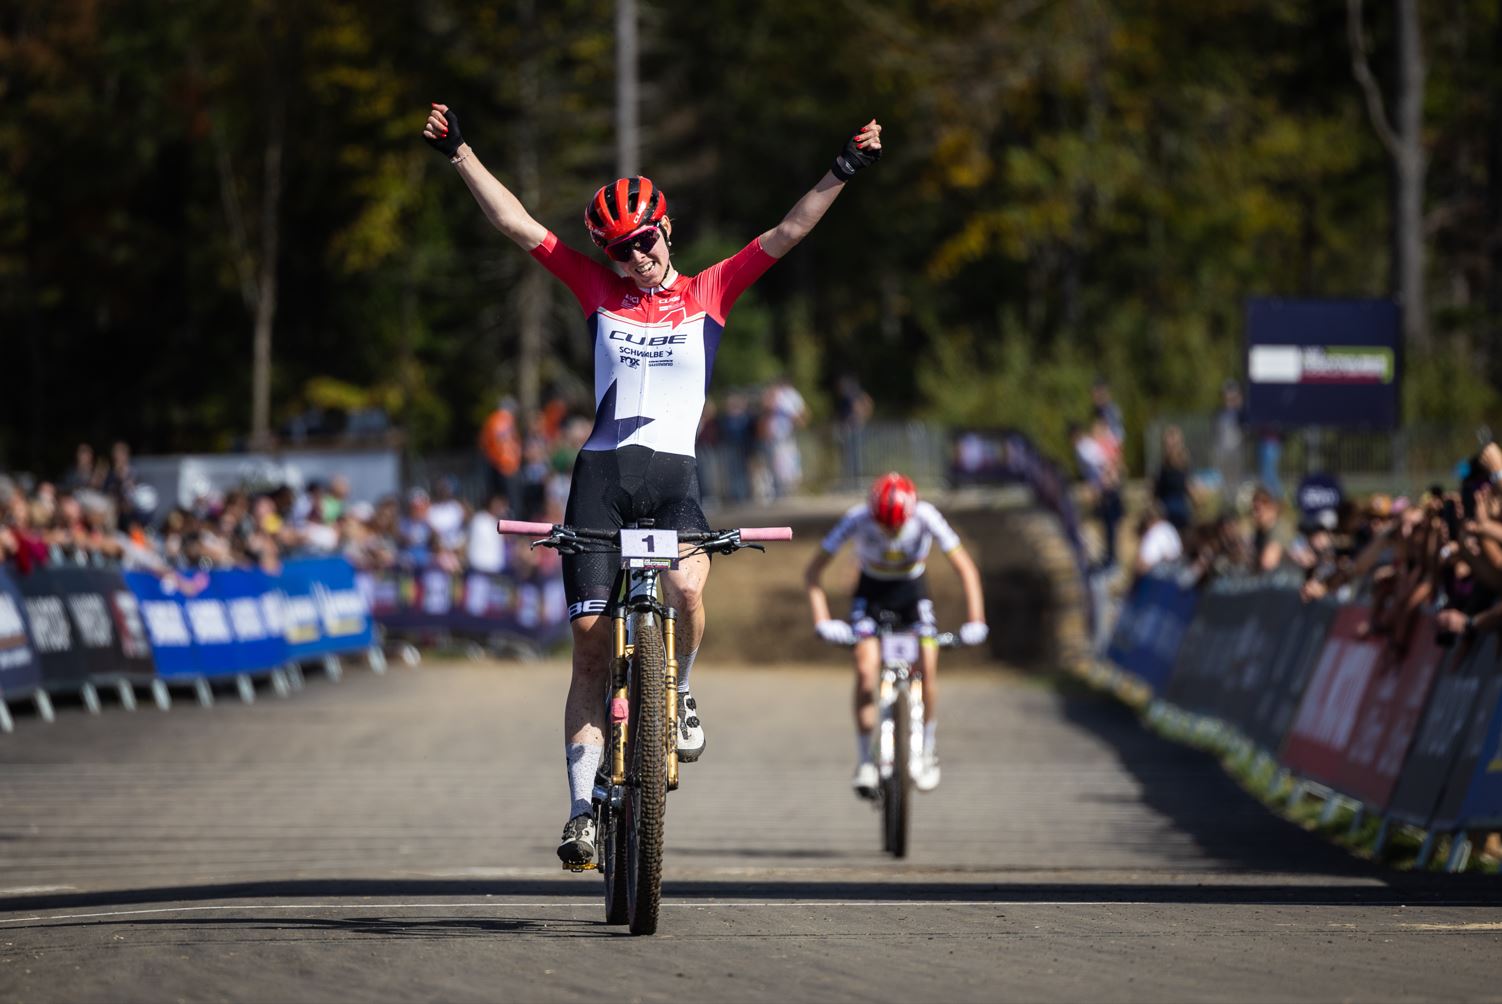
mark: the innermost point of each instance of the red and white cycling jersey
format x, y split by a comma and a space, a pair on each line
654, 349
900, 556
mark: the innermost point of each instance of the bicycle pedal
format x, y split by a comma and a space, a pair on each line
580, 869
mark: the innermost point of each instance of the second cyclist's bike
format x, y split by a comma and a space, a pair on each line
641, 704
897, 740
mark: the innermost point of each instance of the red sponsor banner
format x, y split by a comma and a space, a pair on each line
1327, 716
1389, 717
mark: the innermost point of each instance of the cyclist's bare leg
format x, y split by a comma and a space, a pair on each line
582, 721
684, 589
867, 664
583, 734
929, 656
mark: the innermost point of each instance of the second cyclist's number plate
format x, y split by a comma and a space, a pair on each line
899, 648
649, 549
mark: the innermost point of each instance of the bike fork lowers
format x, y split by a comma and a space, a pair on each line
670, 643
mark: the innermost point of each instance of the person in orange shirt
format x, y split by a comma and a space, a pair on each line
501, 445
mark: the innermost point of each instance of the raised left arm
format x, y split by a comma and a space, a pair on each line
862, 150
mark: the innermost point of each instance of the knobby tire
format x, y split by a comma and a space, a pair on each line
647, 753
614, 865
897, 788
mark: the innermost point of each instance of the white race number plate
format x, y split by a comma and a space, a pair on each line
649, 549
899, 648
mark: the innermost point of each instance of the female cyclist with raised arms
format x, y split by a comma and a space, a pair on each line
655, 333
893, 532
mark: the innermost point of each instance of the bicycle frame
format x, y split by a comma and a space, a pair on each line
901, 679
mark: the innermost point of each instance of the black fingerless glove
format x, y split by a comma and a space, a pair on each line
852, 159
449, 144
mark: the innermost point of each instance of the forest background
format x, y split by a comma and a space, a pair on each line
1070, 189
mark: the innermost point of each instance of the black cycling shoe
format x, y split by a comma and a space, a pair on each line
690, 731
578, 846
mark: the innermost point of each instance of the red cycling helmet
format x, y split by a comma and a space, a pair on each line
893, 497
623, 207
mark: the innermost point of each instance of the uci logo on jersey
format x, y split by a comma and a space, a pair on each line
637, 338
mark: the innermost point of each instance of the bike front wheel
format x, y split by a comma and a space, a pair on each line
896, 787
644, 808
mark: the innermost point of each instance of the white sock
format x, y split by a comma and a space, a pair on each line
929, 728
583, 762
862, 747
684, 665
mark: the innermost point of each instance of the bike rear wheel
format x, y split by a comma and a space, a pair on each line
644, 808
613, 865
897, 785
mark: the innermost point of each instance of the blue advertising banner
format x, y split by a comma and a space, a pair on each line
1151, 628
20, 669
237, 621
323, 612
162, 610
474, 605
1483, 798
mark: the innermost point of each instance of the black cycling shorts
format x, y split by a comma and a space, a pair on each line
905, 598
611, 488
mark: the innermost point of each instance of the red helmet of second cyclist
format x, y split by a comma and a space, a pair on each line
893, 497
623, 207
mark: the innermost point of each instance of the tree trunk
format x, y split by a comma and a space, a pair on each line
266, 287
1405, 146
1492, 224
532, 294
1412, 167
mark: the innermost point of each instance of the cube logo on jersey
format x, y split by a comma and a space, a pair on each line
651, 341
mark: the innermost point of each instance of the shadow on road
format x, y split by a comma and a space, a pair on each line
1427, 890
1189, 789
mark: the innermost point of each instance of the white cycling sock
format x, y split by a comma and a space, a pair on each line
583, 762
685, 663
862, 747
929, 728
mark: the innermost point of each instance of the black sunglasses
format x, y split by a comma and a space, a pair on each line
643, 242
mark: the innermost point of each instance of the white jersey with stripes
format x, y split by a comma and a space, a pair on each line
888, 556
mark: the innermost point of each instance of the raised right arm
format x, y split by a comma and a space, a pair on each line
503, 209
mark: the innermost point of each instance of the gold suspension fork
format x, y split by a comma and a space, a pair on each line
670, 643
619, 702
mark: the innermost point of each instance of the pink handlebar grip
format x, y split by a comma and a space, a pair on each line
523, 527
755, 534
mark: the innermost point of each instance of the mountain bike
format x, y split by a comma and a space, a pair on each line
641, 703
897, 740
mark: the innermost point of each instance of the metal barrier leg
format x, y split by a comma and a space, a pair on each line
161, 695
1296, 795
1332, 806
411, 655
1460, 852
1426, 851
279, 683
1383, 832
295, 677
44, 706
90, 698
376, 656
127, 694
204, 691
1357, 822
246, 687
333, 668
6, 725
